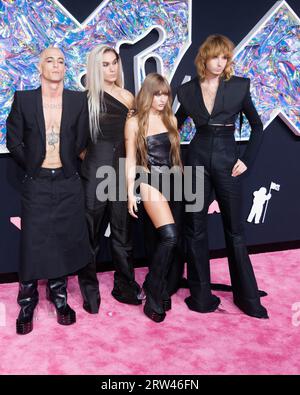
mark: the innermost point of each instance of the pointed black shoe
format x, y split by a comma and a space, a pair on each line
127, 299
203, 308
91, 309
257, 312
153, 315
126, 293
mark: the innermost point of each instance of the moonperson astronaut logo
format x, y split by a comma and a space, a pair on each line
260, 203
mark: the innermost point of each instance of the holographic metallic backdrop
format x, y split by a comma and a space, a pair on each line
270, 54
27, 27
271, 58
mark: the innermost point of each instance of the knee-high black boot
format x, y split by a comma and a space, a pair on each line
56, 293
28, 298
155, 283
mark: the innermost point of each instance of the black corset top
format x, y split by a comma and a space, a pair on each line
159, 149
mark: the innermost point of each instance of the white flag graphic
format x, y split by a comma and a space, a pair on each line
274, 186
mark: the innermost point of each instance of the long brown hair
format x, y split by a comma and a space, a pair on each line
155, 84
215, 45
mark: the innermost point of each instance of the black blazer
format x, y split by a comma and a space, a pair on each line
233, 96
26, 130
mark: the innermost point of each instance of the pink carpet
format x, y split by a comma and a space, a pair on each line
121, 340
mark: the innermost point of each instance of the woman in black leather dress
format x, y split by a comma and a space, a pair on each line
152, 141
109, 104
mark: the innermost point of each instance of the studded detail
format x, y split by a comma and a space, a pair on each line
24, 327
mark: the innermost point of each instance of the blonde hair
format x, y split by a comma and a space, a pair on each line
155, 84
215, 45
44, 52
95, 84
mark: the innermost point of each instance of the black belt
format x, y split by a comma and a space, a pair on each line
49, 171
216, 130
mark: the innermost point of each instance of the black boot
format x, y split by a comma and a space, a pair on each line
125, 290
155, 283
56, 293
28, 298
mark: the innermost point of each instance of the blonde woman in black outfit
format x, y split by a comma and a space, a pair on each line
109, 104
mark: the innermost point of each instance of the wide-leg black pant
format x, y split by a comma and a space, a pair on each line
116, 212
121, 250
215, 149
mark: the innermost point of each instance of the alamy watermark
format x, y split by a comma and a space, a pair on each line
176, 184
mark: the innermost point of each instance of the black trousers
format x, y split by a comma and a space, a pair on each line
120, 241
97, 211
215, 149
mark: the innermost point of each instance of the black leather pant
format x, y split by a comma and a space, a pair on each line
215, 149
121, 249
107, 153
